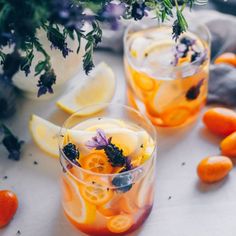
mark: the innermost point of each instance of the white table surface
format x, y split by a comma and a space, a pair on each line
183, 206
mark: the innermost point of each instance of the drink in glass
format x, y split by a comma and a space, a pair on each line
108, 176
167, 79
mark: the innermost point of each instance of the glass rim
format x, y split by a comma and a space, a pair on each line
136, 169
164, 67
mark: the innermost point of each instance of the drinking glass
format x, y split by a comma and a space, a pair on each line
166, 79
116, 203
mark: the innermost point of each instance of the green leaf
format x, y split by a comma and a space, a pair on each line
3, 56
40, 67
79, 41
27, 60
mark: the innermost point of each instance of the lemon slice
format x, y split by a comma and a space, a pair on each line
129, 141
77, 208
157, 46
146, 184
45, 135
99, 87
100, 122
138, 46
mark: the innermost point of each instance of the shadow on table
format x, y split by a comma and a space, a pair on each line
205, 134
205, 188
59, 117
169, 137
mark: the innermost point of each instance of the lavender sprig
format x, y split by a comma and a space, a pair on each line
11, 143
63, 19
185, 46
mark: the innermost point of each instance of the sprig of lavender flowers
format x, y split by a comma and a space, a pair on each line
63, 19
114, 154
11, 143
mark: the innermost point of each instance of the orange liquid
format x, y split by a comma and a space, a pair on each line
99, 215
165, 100
91, 200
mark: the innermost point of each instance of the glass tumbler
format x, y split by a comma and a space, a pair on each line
115, 202
167, 79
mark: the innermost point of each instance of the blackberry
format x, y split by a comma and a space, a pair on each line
138, 10
187, 41
115, 155
123, 183
71, 152
194, 91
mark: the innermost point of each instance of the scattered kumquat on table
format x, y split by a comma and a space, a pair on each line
220, 121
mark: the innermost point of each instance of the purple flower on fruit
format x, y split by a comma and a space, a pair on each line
115, 157
187, 46
114, 154
99, 141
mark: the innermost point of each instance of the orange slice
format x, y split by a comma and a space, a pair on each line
144, 189
144, 81
228, 58
107, 211
96, 162
67, 193
127, 205
156, 120
120, 223
176, 116
96, 191
74, 205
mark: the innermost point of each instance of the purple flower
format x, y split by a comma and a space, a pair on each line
138, 10
99, 141
180, 50
11, 143
68, 13
115, 155
114, 10
187, 41
185, 46
112, 13
199, 56
46, 82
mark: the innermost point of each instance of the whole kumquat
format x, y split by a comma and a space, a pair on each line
214, 168
227, 58
8, 206
221, 121
228, 145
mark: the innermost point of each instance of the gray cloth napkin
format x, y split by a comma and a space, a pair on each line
222, 82
222, 85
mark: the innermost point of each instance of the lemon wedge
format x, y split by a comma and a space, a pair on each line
99, 87
77, 208
45, 135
